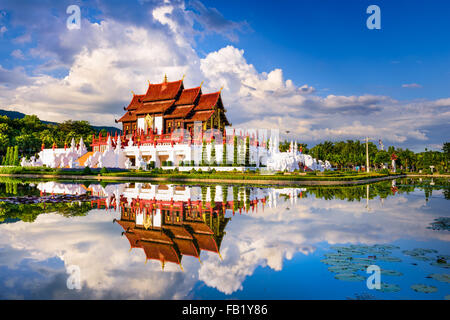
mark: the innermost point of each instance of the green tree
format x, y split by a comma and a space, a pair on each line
16, 156
224, 154
11, 156
204, 155
213, 152
247, 151
235, 152
5, 161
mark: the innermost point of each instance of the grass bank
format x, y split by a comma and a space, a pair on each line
310, 178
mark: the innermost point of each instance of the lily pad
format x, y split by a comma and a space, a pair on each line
443, 257
391, 273
349, 277
389, 259
335, 262
442, 223
336, 256
440, 277
389, 287
361, 266
342, 269
424, 288
441, 264
386, 246
364, 260
410, 253
422, 258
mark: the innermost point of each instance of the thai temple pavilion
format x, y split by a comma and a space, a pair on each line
172, 127
168, 106
170, 221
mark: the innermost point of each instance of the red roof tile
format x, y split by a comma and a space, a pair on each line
200, 116
155, 107
187, 247
180, 112
163, 91
188, 96
206, 242
128, 117
208, 101
179, 232
135, 102
133, 239
126, 224
199, 227
160, 251
153, 235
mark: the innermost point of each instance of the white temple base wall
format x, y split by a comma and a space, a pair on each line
139, 157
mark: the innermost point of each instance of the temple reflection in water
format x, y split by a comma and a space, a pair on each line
170, 221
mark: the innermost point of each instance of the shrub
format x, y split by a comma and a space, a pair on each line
104, 170
87, 170
192, 163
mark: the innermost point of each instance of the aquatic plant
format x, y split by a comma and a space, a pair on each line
395, 273
424, 288
349, 277
389, 287
441, 223
440, 277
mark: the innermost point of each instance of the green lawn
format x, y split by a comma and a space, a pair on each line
173, 174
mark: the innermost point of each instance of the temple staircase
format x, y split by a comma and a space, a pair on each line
81, 160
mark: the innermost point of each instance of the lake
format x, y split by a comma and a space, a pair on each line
85, 240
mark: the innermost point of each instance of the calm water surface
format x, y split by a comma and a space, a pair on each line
148, 241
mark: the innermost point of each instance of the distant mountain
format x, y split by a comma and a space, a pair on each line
20, 115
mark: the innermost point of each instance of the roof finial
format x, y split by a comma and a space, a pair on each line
201, 84
165, 78
132, 92
183, 77
148, 82
221, 89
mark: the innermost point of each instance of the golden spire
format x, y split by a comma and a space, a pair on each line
201, 84
183, 77
148, 82
132, 92
221, 89
165, 78
181, 267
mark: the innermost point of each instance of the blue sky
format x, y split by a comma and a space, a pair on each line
310, 67
330, 46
